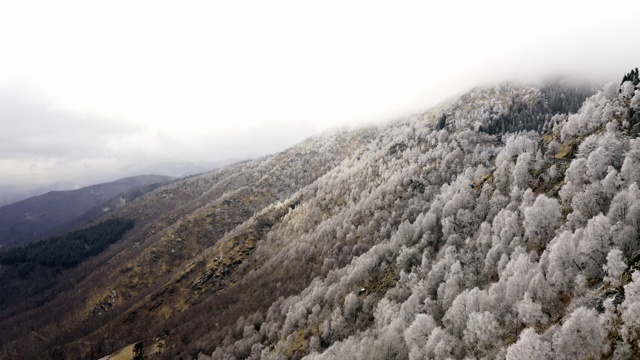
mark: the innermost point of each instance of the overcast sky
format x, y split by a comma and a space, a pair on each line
89, 88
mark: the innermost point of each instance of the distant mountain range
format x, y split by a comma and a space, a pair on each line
177, 169
31, 219
12, 193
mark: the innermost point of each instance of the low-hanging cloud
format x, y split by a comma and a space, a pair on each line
110, 89
43, 143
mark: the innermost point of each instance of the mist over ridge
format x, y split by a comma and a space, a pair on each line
501, 223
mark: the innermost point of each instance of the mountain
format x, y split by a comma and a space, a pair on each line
176, 169
13, 193
30, 219
500, 224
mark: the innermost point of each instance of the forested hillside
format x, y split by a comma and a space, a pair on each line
29, 271
503, 224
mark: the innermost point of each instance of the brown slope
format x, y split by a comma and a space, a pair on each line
174, 224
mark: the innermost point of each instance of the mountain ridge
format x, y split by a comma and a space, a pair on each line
34, 218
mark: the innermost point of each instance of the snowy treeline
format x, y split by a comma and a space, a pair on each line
466, 240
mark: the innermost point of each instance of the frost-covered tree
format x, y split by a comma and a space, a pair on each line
521, 175
351, 307
441, 345
529, 346
615, 267
481, 333
594, 245
624, 213
540, 221
581, 336
530, 312
630, 308
452, 286
417, 335
561, 259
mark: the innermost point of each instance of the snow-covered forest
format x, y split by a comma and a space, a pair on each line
502, 225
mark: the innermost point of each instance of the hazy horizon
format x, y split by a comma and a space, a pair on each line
91, 90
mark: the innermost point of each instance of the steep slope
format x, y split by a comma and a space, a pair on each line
522, 248
31, 219
458, 233
173, 224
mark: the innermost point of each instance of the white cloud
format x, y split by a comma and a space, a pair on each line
184, 80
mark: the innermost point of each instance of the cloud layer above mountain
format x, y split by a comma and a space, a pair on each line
87, 89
